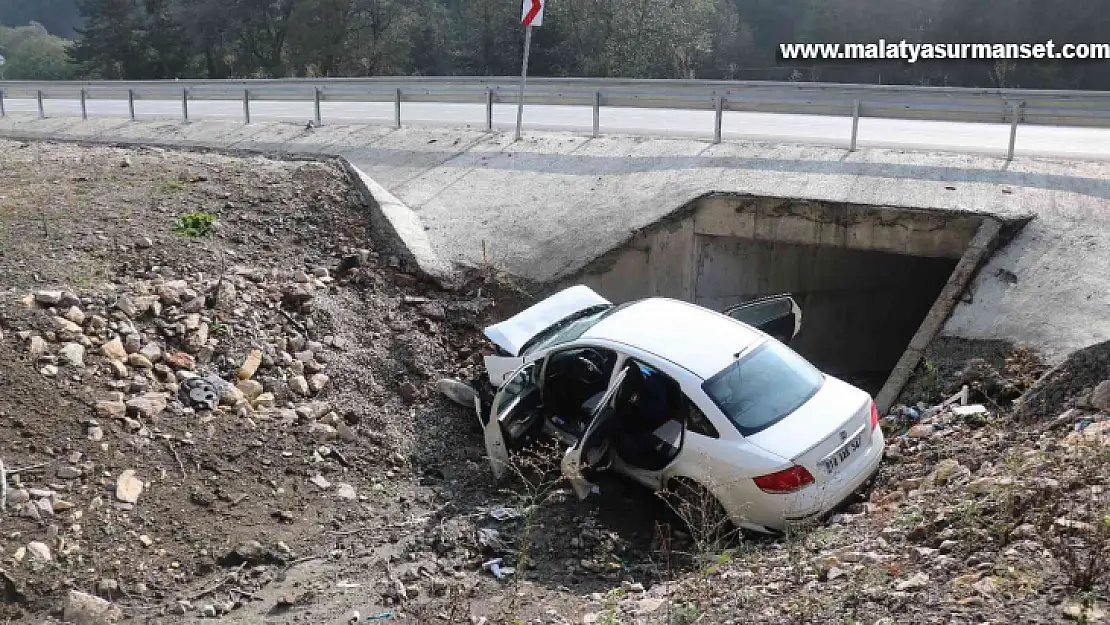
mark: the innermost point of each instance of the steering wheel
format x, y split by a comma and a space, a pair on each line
589, 367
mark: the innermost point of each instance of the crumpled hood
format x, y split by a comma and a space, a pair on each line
512, 334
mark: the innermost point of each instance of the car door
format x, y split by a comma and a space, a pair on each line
573, 466
513, 415
777, 315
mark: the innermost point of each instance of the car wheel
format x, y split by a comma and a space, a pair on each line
694, 507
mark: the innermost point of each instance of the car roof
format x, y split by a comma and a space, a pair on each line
695, 338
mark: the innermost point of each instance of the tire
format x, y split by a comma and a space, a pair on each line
695, 508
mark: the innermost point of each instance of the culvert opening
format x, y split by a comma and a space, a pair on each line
872, 281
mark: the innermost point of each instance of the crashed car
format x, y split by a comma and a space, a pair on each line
672, 394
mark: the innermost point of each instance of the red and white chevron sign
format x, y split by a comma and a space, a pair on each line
532, 13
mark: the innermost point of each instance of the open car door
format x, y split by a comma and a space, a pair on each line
514, 415
777, 315
579, 461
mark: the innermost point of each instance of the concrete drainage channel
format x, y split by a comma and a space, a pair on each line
875, 284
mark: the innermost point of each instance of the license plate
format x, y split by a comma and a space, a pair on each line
841, 455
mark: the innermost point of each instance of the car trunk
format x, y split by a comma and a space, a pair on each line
823, 428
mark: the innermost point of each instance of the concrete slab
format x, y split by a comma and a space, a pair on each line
549, 204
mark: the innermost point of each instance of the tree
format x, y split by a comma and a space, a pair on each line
31, 53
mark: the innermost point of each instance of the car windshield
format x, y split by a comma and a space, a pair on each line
567, 330
762, 388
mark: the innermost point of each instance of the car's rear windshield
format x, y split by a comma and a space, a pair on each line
763, 387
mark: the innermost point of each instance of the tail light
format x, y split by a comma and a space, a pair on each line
874, 416
786, 481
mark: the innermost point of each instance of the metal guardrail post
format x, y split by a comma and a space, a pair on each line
489, 109
855, 125
84, 107
397, 109
185, 104
720, 106
246, 106
3, 113
597, 113
42, 111
131, 103
1013, 132
316, 103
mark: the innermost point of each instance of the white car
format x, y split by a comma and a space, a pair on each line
666, 393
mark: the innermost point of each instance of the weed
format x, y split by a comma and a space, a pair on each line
169, 187
195, 224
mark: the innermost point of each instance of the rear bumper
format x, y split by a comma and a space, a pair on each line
773, 513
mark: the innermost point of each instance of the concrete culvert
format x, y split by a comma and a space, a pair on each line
875, 284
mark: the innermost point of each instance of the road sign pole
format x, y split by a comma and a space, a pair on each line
855, 125
3, 113
42, 111
523, 81
1013, 132
84, 106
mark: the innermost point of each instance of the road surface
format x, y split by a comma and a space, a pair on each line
1050, 141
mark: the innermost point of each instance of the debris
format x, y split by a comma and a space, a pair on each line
250, 365
457, 391
199, 393
973, 409
506, 514
500, 572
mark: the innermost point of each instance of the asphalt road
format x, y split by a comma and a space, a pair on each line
1053, 141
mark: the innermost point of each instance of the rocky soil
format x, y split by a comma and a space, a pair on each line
242, 426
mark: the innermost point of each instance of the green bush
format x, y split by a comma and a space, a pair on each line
195, 224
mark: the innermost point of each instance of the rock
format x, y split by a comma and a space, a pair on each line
46, 508
948, 470
36, 346
149, 404
110, 409
172, 292
83, 609
321, 481
125, 305
916, 582
114, 349
38, 555
346, 492
982, 485
231, 396
299, 385
68, 473
250, 365
19, 496
152, 352
61, 505
76, 315
66, 325
265, 400
408, 392
95, 433
317, 382
49, 371
72, 354
119, 370
921, 430
250, 389
48, 298
140, 361
180, 360
193, 306
1100, 397
128, 487
1077, 610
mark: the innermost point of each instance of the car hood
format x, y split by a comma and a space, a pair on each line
512, 334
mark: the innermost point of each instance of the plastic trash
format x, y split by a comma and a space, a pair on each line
380, 616
506, 514
966, 411
500, 572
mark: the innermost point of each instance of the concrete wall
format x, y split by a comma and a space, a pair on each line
864, 276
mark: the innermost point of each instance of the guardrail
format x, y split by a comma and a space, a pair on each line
1012, 106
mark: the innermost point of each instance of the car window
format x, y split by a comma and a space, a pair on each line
761, 388
698, 423
521, 383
